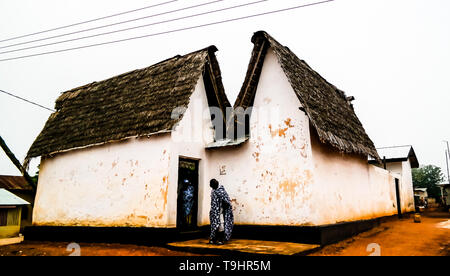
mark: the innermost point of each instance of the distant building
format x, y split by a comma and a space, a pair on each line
10, 216
445, 192
20, 187
400, 160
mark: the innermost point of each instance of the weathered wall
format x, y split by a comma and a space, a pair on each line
348, 188
270, 178
285, 176
282, 176
406, 184
403, 169
128, 184
189, 140
118, 184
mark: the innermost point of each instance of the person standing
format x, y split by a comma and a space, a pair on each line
188, 202
221, 214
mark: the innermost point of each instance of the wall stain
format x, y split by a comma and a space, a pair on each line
256, 156
288, 123
280, 132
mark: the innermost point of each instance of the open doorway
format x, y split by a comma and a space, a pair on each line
397, 192
187, 204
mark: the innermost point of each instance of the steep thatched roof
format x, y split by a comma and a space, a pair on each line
134, 104
327, 107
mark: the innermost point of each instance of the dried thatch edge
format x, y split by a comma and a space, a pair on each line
325, 137
27, 160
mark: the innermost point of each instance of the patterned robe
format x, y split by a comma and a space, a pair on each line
188, 200
221, 200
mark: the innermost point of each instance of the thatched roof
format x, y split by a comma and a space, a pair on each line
327, 107
134, 104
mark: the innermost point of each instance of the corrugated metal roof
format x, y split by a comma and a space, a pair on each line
14, 183
10, 199
396, 154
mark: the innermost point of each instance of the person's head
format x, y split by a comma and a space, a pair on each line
214, 184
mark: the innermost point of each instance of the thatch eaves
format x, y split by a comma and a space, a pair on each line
327, 107
135, 104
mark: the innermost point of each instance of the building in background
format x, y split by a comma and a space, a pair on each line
445, 192
400, 160
20, 187
10, 217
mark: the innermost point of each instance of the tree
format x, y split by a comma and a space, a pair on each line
428, 177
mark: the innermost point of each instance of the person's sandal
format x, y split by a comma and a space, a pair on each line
220, 243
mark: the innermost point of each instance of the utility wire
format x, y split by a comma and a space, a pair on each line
137, 27
107, 25
89, 21
25, 100
171, 31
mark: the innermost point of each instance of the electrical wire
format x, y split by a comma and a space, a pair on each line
170, 31
136, 27
110, 25
25, 100
89, 21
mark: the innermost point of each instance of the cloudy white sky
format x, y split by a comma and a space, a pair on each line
392, 55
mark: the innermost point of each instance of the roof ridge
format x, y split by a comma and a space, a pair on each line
326, 105
73, 90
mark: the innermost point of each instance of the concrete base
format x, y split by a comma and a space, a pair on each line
9, 241
140, 236
246, 247
323, 235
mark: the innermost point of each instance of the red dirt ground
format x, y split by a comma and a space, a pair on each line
395, 237
38, 248
399, 238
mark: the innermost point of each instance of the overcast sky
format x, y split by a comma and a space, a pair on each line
392, 55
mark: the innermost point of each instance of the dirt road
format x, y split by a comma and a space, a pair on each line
399, 238
394, 238
37, 248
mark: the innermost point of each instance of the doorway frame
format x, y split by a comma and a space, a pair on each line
399, 202
195, 207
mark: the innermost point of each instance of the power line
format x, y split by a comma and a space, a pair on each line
25, 100
107, 25
168, 32
137, 27
89, 21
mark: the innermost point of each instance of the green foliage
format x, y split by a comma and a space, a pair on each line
428, 177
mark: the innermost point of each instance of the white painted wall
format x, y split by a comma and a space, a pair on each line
348, 188
117, 184
282, 176
270, 178
406, 184
285, 176
189, 140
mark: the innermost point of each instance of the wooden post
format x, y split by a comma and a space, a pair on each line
16, 162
